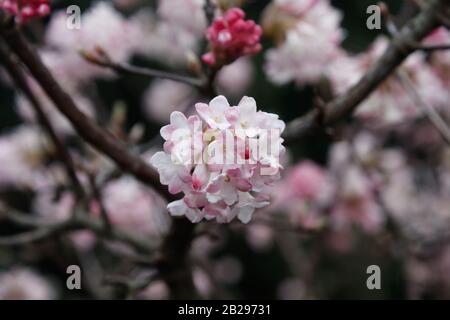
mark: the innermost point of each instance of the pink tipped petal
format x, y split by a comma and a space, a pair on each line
245, 214
177, 208
178, 119
247, 106
219, 104
166, 131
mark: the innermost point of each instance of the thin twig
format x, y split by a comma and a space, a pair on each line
209, 9
393, 30
431, 113
30, 236
124, 68
76, 222
99, 198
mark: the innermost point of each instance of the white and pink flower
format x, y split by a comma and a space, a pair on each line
211, 161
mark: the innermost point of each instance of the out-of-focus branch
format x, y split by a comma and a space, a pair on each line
105, 61
97, 195
17, 75
131, 286
398, 50
31, 236
209, 9
391, 27
431, 113
102, 140
83, 221
434, 47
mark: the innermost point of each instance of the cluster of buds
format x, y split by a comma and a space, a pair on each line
231, 37
224, 161
24, 10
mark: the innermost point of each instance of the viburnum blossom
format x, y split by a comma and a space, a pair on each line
22, 152
24, 10
102, 27
223, 161
440, 59
308, 35
421, 209
234, 79
354, 201
21, 283
163, 97
134, 206
304, 193
187, 14
231, 37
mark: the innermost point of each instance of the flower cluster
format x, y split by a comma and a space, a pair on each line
21, 152
231, 37
188, 15
21, 283
308, 35
223, 161
173, 32
304, 193
342, 195
24, 10
103, 27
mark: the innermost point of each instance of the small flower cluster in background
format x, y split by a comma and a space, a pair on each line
25, 10
232, 37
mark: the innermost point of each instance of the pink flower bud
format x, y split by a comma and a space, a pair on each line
232, 37
25, 10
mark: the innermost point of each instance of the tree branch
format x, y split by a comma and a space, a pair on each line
398, 50
123, 68
17, 75
102, 140
82, 221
